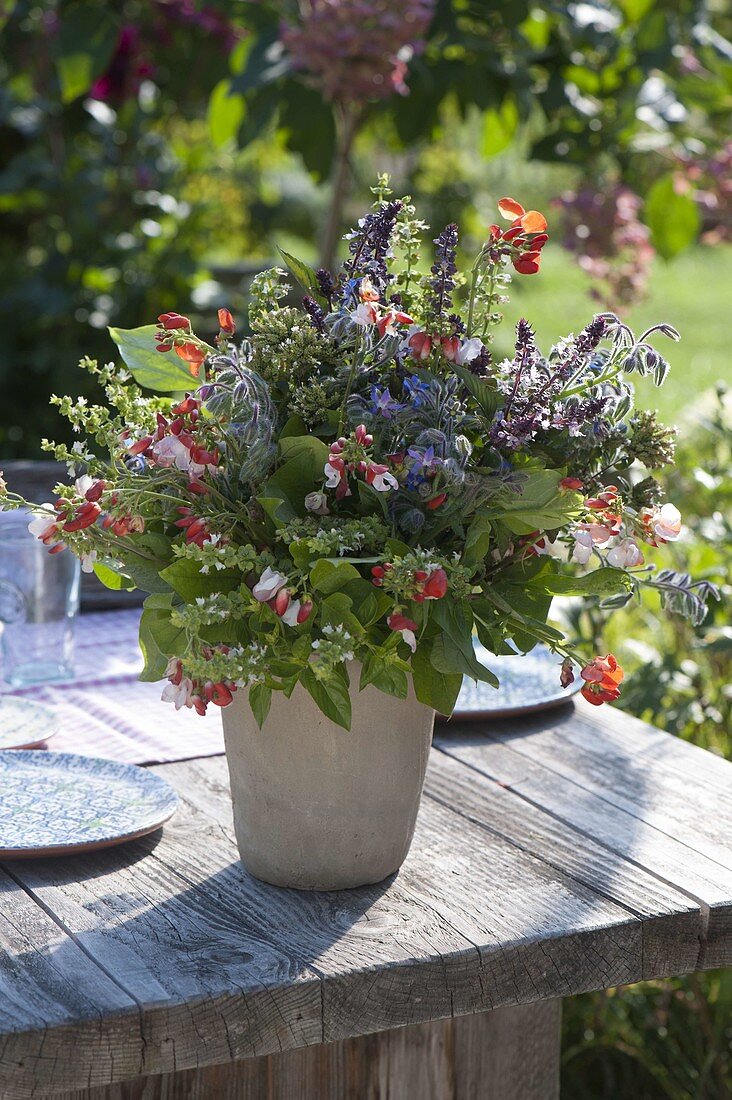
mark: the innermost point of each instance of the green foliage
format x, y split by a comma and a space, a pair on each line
162, 372
673, 217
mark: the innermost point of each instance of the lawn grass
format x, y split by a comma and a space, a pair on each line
692, 293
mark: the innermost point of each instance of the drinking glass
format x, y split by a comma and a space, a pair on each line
39, 599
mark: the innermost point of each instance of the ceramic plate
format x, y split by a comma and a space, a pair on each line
24, 724
56, 803
529, 682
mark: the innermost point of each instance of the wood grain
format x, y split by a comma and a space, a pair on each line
509, 1054
552, 855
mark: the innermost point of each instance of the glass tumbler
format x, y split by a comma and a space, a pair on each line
39, 599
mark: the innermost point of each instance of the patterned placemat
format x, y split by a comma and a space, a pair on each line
106, 711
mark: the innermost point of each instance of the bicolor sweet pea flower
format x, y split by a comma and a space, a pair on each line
268, 585
602, 676
391, 317
379, 477
404, 626
626, 555
367, 292
226, 322
365, 314
45, 525
468, 351
662, 524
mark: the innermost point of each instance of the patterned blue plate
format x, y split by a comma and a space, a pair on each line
529, 682
24, 724
57, 803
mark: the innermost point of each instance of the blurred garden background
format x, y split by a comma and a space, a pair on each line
154, 154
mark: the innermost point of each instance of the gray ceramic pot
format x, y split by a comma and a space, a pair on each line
320, 808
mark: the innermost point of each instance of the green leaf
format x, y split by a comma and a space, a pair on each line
541, 505
161, 371
112, 578
294, 425
146, 573
304, 274
327, 576
305, 448
499, 127
435, 689
87, 37
481, 391
387, 674
226, 113
477, 540
331, 695
159, 640
446, 657
260, 700
185, 577
673, 219
601, 582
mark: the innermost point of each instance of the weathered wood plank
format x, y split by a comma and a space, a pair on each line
679, 800
673, 922
458, 884
53, 1000
606, 817
509, 1054
545, 863
226, 967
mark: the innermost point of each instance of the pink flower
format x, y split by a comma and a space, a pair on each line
268, 585
664, 524
45, 522
625, 555
420, 345
404, 626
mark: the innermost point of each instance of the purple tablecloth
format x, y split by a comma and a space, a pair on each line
106, 711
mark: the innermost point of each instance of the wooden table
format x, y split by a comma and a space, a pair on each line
574, 850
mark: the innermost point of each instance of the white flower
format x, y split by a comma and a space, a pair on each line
268, 585
469, 350
317, 502
87, 561
365, 315
666, 523
45, 519
383, 482
625, 555
178, 694
293, 610
332, 475
582, 547
83, 484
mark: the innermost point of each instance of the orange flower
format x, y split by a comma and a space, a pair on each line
226, 322
191, 354
526, 235
531, 221
602, 676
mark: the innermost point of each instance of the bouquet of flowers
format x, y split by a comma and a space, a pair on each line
358, 480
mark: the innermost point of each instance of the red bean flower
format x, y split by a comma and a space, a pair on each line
525, 237
602, 676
